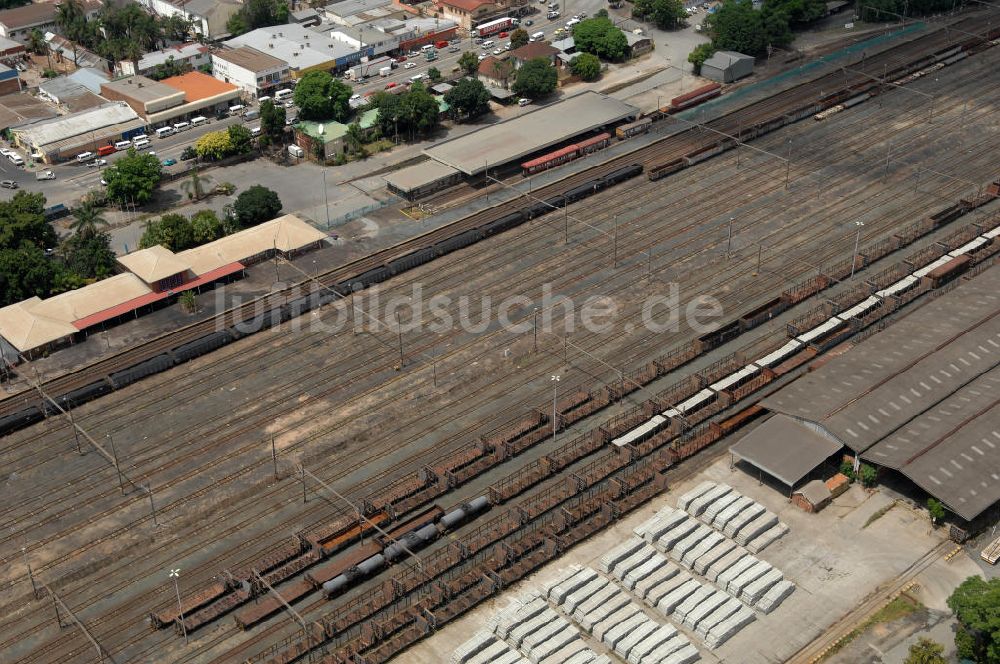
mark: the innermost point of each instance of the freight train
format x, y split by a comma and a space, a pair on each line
566, 154
184, 352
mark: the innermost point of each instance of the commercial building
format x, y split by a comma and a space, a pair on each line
69, 94
175, 98
12, 51
505, 142
191, 55
255, 73
727, 66
467, 13
353, 12
64, 137
152, 278
303, 49
74, 53
919, 399
17, 23
208, 17
10, 80
23, 109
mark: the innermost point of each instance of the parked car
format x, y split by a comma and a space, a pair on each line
409, 65
497, 51
169, 162
390, 86
97, 163
482, 56
401, 58
45, 175
529, 22
503, 35
8, 184
355, 98
454, 49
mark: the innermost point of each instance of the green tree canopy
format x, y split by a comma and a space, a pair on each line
601, 37
468, 99
925, 651
434, 74
22, 221
700, 53
206, 227
664, 14
89, 255
214, 145
469, 63
256, 205
133, 177
535, 78
321, 97
936, 509
587, 66
173, 231
240, 138
258, 14
976, 604
519, 38
412, 112
737, 26
25, 272
272, 120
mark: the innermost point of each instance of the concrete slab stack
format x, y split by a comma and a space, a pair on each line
621, 552
627, 645
518, 635
686, 655
663, 524
637, 559
696, 536
724, 563
723, 518
669, 539
600, 606
518, 613
665, 650
713, 510
544, 645
767, 538
710, 541
737, 568
699, 504
658, 576
577, 597
753, 592
585, 657
703, 610
721, 549
570, 581
729, 627
728, 608
494, 652
755, 528
672, 600
747, 515
775, 596
759, 569
691, 602
619, 617
510, 657
685, 500
620, 632
655, 594
658, 637
479, 642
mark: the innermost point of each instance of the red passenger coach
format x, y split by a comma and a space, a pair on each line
568, 153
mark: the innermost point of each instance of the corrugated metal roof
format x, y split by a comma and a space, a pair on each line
784, 448
287, 233
47, 132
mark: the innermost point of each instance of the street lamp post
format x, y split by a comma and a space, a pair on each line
175, 575
555, 387
857, 243
729, 241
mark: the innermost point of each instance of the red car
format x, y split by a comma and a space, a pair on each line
389, 85
401, 58
502, 35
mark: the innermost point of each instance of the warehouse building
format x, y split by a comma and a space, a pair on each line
257, 74
304, 50
64, 137
919, 399
727, 66
173, 99
151, 278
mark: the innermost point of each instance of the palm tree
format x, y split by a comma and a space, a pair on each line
87, 217
195, 187
71, 18
38, 45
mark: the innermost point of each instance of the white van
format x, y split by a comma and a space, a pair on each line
251, 115
282, 95
140, 137
80, 158
122, 145
163, 132
16, 159
573, 21
538, 36
141, 143
487, 43
236, 110
255, 131
427, 47
200, 120
261, 100
182, 126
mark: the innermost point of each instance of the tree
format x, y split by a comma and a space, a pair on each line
88, 255
258, 14
737, 26
22, 221
434, 74
214, 145
25, 272
535, 78
601, 37
321, 97
240, 139
586, 66
169, 68
519, 38
868, 475
272, 120
188, 302
71, 18
256, 205
698, 56
173, 231
420, 109
354, 137
37, 43
195, 185
468, 99
87, 217
601, 13
206, 227
926, 651
133, 177
976, 604
469, 62
175, 27
936, 510
664, 14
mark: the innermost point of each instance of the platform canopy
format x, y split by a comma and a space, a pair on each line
785, 449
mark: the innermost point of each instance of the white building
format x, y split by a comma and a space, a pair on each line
256, 73
208, 17
190, 54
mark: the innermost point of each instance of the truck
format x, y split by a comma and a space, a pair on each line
369, 68
45, 175
494, 27
384, 71
431, 55
296, 151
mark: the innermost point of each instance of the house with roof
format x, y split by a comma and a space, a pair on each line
466, 13
67, 50
65, 136
17, 23
208, 17
256, 73
192, 55
69, 94
304, 50
534, 51
11, 51
496, 73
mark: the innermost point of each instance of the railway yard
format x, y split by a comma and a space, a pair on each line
247, 467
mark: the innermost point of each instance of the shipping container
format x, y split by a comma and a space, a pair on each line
633, 128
